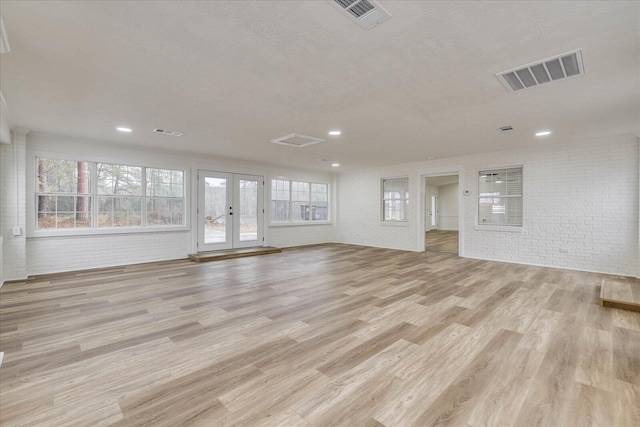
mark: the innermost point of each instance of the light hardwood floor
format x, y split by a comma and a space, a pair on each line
329, 335
442, 241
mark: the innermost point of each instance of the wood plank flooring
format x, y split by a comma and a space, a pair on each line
327, 335
622, 295
445, 241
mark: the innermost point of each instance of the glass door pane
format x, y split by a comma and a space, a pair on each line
214, 211
247, 211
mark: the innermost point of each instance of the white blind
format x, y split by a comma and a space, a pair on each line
500, 196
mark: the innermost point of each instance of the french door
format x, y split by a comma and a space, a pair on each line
230, 211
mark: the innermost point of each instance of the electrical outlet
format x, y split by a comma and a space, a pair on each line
16, 231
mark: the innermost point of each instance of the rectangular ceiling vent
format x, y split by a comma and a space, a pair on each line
297, 140
367, 13
548, 70
168, 132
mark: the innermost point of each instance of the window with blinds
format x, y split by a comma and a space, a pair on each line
500, 197
395, 199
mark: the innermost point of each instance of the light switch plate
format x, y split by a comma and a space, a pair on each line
16, 231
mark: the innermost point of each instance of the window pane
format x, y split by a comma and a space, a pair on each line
500, 211
64, 212
300, 211
319, 211
319, 192
164, 183
395, 188
279, 211
119, 179
119, 211
300, 191
165, 211
395, 210
493, 207
63, 176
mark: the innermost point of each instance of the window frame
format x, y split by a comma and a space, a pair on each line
95, 229
290, 201
479, 226
399, 222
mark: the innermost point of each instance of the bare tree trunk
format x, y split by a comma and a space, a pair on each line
83, 189
42, 187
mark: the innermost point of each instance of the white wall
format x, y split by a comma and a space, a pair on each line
580, 197
39, 255
449, 206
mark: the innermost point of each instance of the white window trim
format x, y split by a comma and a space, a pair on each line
393, 222
33, 232
478, 226
297, 223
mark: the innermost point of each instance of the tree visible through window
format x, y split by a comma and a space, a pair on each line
66, 197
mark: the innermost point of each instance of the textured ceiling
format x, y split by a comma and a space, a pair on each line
233, 75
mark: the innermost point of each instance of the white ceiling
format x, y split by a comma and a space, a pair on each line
233, 75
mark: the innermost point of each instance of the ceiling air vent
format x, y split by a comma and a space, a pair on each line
367, 13
168, 132
551, 69
297, 140
505, 128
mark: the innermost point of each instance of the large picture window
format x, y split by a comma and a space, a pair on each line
79, 194
296, 201
395, 199
500, 197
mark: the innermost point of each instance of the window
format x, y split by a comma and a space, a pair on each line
79, 194
63, 196
500, 197
295, 201
395, 199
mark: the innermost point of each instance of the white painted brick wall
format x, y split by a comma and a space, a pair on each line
14, 263
59, 254
582, 197
287, 236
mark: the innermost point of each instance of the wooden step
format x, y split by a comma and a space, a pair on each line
622, 295
233, 253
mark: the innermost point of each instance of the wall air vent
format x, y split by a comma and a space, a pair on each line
297, 140
548, 70
167, 132
367, 13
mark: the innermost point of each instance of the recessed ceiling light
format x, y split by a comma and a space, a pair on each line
121, 129
335, 133
335, 165
543, 133
430, 158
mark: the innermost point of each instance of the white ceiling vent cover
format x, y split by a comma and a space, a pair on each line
367, 13
297, 140
548, 70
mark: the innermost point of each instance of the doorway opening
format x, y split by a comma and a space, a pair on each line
230, 211
442, 214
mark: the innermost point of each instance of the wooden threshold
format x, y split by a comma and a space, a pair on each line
233, 253
620, 295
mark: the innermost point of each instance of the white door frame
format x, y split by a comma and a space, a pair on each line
231, 222
422, 176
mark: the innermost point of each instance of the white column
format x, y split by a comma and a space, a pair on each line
13, 206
